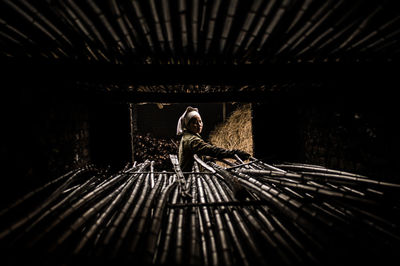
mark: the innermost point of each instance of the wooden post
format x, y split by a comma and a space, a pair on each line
132, 121
223, 111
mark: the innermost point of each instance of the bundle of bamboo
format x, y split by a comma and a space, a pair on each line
290, 214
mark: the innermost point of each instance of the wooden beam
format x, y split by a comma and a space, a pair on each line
186, 74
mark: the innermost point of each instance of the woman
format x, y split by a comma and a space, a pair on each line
190, 126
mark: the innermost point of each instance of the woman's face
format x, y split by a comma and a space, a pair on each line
195, 125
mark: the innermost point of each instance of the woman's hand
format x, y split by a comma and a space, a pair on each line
242, 154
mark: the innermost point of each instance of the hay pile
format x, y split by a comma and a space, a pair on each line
236, 131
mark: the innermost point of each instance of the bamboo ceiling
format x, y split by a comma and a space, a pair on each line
199, 32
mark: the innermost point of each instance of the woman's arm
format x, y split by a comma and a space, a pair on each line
201, 147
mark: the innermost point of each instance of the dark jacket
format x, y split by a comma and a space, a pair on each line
192, 144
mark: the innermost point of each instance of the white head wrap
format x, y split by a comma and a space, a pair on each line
189, 113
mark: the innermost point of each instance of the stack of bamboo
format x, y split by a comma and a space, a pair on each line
245, 214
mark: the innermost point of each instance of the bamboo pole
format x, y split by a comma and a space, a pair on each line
105, 21
242, 228
15, 31
206, 220
183, 15
53, 208
314, 27
179, 248
260, 23
152, 174
163, 257
195, 24
226, 28
194, 250
220, 228
358, 30
244, 31
211, 25
126, 229
46, 21
272, 25
221, 195
157, 219
232, 181
87, 198
311, 21
92, 211
30, 19
316, 168
136, 6
80, 13
157, 24
204, 244
36, 191
121, 22
45, 204
299, 15
168, 25
181, 179
125, 209
105, 215
144, 216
